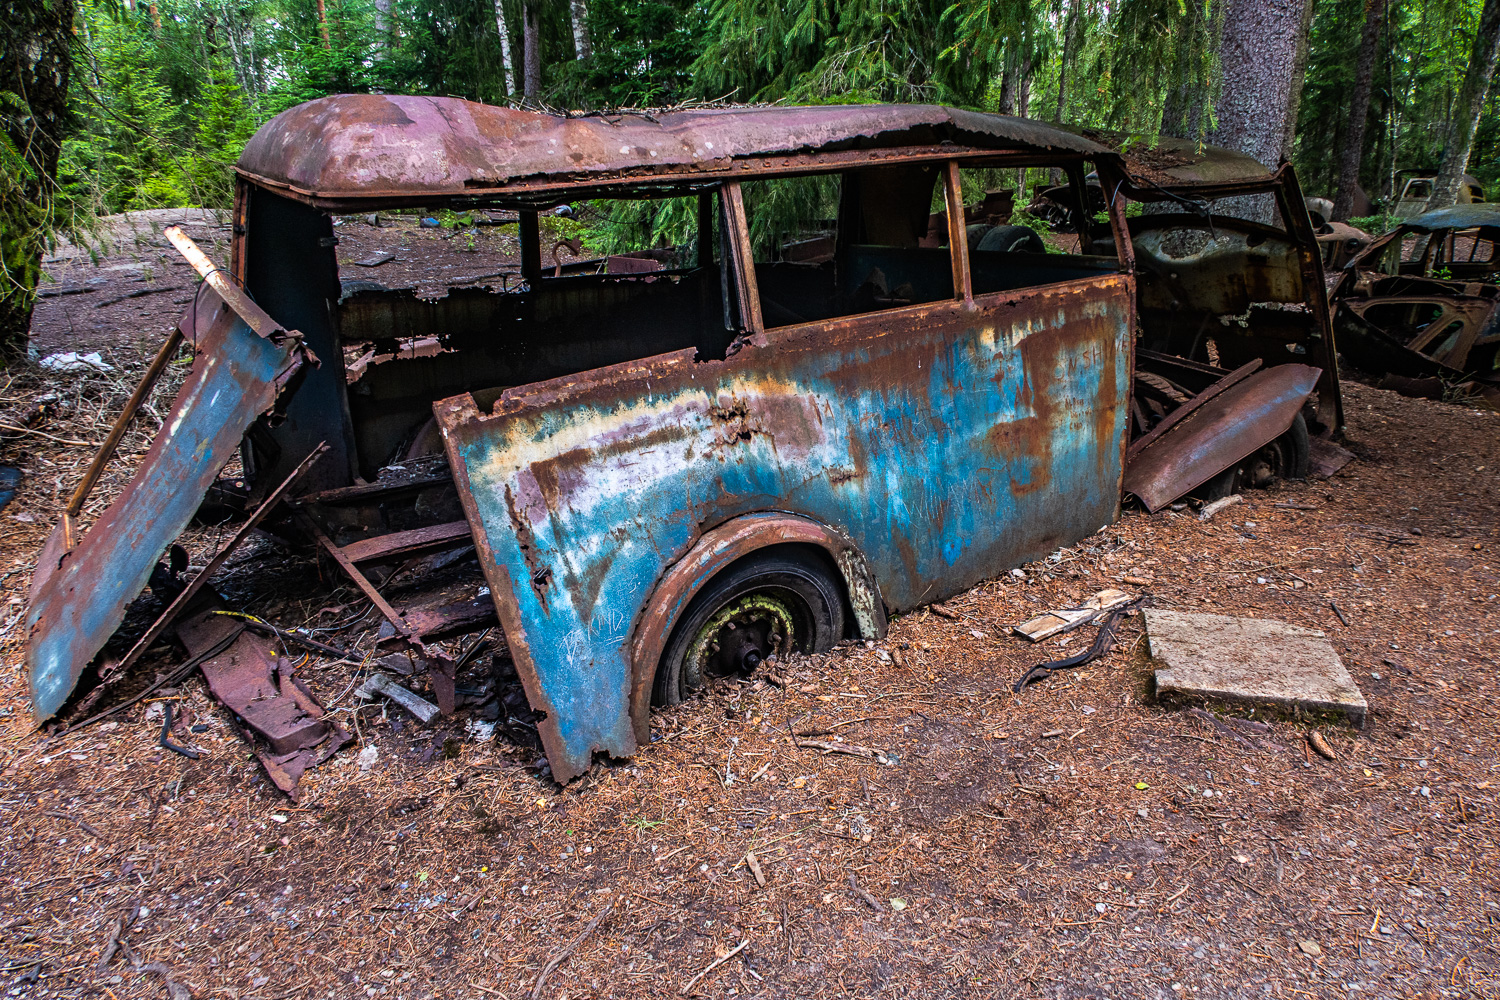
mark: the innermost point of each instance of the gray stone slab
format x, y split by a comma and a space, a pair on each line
1250, 660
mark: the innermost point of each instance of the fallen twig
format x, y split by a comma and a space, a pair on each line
870, 900
851, 749
86, 828
569, 948
716, 963
49, 437
1209, 510
138, 293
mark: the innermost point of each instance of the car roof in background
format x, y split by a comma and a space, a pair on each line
1456, 217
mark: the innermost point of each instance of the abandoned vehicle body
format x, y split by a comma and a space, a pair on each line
1236, 372
1423, 301
671, 464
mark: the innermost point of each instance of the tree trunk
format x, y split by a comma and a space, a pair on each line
382, 28
1299, 75
1258, 56
1460, 141
1008, 86
1023, 105
505, 65
1192, 75
1352, 151
35, 61
1069, 49
582, 47
323, 24
531, 38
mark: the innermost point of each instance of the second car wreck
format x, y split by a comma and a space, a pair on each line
692, 468
1421, 305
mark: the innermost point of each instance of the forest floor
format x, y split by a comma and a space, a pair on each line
1081, 839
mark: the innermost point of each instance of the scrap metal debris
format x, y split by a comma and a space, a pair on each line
1050, 623
269, 701
1421, 305
381, 684
1103, 642
1251, 660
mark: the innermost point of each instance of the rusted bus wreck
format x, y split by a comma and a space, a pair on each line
678, 465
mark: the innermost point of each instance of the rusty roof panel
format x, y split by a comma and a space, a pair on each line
1456, 217
1171, 162
355, 146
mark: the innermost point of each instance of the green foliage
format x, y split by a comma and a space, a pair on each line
643, 56
835, 51
1376, 225
159, 116
1423, 54
613, 227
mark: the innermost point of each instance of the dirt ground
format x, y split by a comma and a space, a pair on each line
1081, 839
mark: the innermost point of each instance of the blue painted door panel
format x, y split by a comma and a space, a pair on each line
950, 444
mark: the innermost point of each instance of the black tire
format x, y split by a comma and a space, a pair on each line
1287, 457
781, 600
1012, 239
1217, 488
974, 233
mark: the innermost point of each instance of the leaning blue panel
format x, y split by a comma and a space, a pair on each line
79, 596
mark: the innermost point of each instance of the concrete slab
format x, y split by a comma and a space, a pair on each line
1250, 660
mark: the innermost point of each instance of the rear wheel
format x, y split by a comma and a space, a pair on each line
771, 603
1288, 457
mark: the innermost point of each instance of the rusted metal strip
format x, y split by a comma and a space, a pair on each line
958, 237
407, 543
1172, 419
189, 592
254, 316
360, 580
742, 257
117, 433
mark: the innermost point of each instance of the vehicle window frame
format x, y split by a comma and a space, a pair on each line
746, 289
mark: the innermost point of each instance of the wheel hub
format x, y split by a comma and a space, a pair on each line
740, 637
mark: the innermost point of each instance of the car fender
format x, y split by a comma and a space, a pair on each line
710, 554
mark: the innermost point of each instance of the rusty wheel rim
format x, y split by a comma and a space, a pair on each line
740, 636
